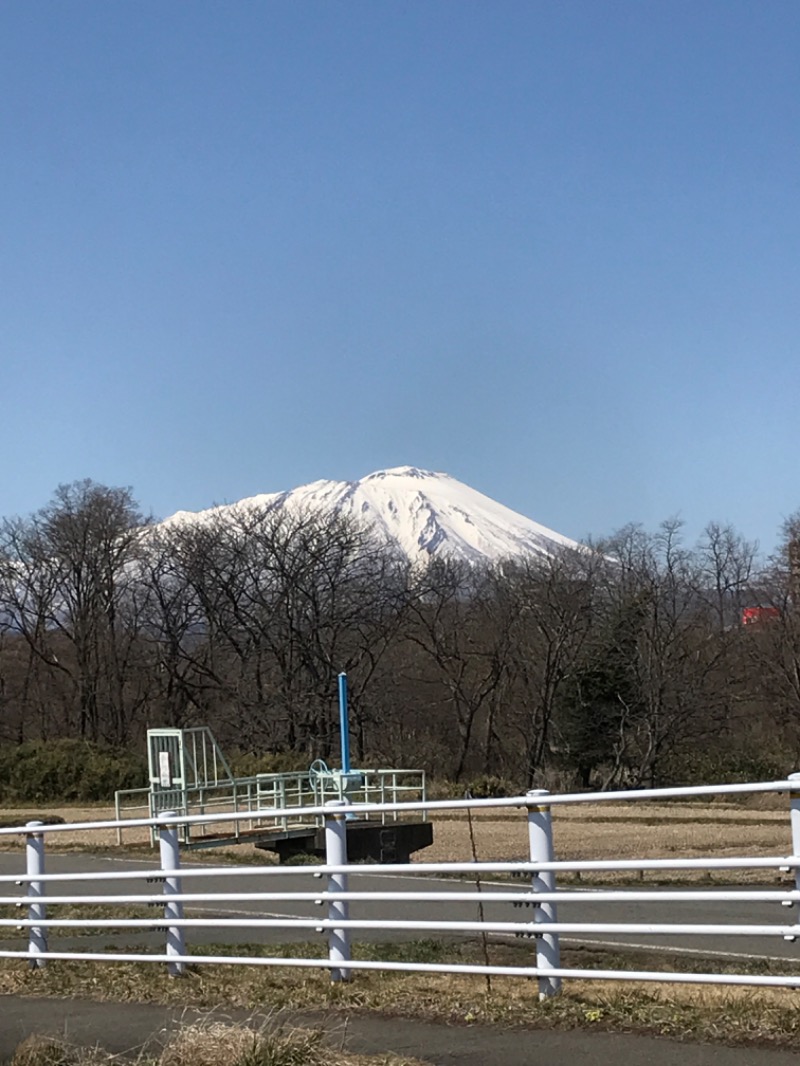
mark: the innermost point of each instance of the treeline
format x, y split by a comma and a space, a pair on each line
621, 664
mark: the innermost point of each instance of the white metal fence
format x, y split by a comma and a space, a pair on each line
337, 914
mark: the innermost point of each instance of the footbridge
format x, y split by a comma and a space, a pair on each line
189, 774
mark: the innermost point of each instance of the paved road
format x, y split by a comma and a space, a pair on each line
302, 879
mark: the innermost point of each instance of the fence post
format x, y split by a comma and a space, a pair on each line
173, 910
540, 836
37, 911
338, 910
118, 815
794, 819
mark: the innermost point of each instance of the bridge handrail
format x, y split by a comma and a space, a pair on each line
279, 799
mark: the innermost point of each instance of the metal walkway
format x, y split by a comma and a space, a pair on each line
189, 774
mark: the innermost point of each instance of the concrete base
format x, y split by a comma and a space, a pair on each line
366, 841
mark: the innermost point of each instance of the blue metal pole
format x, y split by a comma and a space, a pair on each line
344, 727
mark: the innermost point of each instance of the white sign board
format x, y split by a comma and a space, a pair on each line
165, 775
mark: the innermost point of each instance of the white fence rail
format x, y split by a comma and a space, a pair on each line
337, 912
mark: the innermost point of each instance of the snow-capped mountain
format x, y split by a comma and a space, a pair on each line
425, 513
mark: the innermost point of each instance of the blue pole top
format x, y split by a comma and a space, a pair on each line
344, 725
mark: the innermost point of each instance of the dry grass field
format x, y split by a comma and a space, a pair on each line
624, 831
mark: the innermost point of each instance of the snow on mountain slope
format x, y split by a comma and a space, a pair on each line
425, 513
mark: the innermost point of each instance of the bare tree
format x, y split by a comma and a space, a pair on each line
453, 623
654, 683
257, 611
64, 587
549, 611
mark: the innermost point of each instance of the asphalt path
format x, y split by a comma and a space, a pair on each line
130, 1028
105, 881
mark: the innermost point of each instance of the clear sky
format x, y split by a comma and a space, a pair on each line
550, 248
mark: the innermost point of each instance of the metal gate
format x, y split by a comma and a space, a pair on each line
180, 762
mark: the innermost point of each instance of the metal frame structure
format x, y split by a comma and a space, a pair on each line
189, 774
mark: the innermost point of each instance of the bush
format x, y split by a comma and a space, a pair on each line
722, 768
485, 786
250, 763
67, 770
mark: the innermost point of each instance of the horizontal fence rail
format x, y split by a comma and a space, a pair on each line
452, 899
427, 806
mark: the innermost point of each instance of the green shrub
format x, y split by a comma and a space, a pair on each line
67, 770
704, 767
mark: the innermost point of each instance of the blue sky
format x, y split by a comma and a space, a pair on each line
549, 248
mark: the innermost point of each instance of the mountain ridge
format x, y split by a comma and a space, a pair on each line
425, 513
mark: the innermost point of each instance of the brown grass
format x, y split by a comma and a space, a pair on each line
622, 831
211, 1043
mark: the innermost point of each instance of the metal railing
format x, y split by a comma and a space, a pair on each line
343, 917
268, 802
